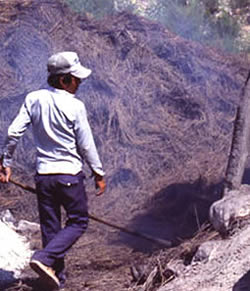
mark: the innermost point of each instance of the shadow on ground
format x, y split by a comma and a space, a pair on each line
174, 214
243, 284
246, 177
6, 278
28, 284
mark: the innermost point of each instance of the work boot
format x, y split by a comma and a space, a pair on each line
47, 274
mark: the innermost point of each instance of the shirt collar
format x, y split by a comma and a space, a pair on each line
63, 92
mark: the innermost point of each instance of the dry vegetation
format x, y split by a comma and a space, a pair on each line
162, 112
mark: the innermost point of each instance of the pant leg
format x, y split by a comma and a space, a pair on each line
48, 207
70, 192
50, 218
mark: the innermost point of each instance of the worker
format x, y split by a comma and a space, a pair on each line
63, 140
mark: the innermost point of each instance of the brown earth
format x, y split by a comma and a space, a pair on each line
162, 111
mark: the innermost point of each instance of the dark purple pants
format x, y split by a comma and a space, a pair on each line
54, 191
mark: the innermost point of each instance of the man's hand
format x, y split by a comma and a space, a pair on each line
100, 184
5, 174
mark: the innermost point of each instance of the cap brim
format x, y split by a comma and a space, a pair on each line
81, 72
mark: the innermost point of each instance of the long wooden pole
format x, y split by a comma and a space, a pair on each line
158, 241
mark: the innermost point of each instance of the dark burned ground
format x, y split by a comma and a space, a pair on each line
162, 110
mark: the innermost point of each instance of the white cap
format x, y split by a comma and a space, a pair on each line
65, 63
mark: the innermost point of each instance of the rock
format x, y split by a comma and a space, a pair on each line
7, 218
27, 228
205, 252
15, 254
16, 250
236, 204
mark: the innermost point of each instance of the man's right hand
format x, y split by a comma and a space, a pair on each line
5, 174
100, 184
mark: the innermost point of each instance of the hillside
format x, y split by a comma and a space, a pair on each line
162, 110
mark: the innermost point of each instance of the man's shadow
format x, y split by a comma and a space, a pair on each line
246, 177
6, 279
243, 284
174, 214
32, 284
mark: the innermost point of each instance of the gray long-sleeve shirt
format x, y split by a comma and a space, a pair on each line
62, 134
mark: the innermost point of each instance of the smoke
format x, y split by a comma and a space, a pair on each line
161, 108
192, 19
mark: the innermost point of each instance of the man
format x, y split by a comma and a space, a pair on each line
63, 139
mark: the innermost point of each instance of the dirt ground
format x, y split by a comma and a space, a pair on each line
96, 262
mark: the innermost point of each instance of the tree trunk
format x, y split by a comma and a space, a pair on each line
239, 149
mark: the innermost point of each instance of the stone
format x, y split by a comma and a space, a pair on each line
28, 228
15, 254
16, 250
7, 218
205, 252
235, 204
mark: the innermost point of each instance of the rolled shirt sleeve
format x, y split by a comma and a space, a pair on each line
15, 131
85, 141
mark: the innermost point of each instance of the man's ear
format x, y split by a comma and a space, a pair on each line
62, 82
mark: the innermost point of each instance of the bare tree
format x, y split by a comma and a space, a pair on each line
240, 142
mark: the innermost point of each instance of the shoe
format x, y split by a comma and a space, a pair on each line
47, 274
